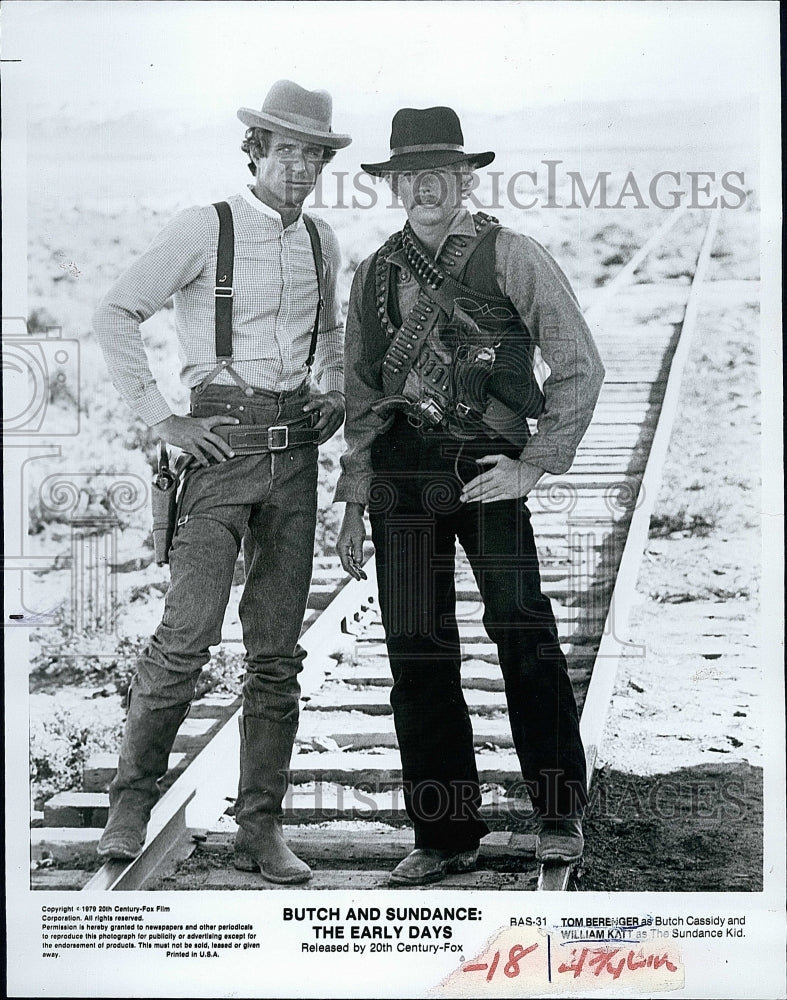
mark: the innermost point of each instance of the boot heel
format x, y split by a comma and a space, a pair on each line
244, 862
464, 862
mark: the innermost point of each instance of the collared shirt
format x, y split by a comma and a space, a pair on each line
273, 306
542, 296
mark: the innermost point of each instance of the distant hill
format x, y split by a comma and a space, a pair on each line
612, 125
593, 126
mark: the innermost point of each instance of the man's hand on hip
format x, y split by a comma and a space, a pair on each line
193, 435
350, 542
331, 409
507, 479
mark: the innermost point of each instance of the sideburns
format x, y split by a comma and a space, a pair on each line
470, 182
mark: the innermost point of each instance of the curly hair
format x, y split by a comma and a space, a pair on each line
255, 143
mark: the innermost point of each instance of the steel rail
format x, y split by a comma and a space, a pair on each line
611, 649
605, 294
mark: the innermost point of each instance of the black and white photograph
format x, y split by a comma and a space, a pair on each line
393, 498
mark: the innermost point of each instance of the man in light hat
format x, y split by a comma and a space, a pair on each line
442, 326
253, 281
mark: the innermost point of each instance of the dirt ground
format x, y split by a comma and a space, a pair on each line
693, 830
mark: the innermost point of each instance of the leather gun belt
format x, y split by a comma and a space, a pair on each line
253, 440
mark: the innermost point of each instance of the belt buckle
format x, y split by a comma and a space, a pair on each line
278, 437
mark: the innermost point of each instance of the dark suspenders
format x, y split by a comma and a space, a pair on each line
314, 237
223, 292
223, 295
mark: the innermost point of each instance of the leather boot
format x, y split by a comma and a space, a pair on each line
560, 840
265, 751
144, 758
425, 865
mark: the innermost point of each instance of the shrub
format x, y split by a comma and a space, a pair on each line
680, 521
223, 674
81, 659
40, 320
59, 747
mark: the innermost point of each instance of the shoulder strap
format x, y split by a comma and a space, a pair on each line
314, 237
223, 293
444, 290
437, 292
225, 257
222, 297
407, 343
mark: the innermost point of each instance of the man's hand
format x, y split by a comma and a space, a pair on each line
193, 435
350, 542
507, 479
331, 409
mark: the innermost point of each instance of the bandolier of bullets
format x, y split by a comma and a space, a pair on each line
409, 349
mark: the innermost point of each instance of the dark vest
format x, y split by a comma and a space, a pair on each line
512, 380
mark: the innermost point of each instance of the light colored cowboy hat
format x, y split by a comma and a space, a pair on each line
299, 113
426, 139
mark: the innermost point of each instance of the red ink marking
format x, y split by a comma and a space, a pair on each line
664, 960
515, 956
634, 963
511, 969
574, 964
603, 961
600, 960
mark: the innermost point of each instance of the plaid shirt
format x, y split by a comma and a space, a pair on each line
539, 290
273, 308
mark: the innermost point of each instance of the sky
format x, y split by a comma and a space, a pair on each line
106, 58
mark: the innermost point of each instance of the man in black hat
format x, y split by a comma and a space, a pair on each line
442, 326
253, 281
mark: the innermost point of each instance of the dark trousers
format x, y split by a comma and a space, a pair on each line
416, 519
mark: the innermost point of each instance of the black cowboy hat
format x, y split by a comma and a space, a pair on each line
426, 139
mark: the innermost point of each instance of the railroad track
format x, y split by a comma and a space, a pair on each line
344, 811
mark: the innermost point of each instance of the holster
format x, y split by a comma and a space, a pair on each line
164, 501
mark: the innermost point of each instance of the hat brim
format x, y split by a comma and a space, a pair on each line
258, 119
426, 161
